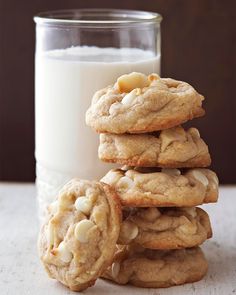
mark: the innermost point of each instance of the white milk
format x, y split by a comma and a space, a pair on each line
65, 83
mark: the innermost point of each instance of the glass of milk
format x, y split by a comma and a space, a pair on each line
77, 53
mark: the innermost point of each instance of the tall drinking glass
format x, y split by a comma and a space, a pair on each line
77, 53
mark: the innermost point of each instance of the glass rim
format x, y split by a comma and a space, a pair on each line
97, 17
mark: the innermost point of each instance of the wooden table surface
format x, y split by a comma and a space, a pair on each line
22, 274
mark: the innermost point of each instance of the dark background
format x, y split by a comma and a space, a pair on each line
198, 46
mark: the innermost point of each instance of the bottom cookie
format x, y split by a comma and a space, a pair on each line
156, 268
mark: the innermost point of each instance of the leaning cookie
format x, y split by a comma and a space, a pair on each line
78, 240
172, 148
168, 188
137, 103
165, 228
156, 268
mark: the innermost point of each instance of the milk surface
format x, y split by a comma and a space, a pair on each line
65, 83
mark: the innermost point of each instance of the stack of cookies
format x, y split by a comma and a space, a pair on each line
139, 120
140, 224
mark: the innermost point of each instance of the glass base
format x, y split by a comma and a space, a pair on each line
48, 184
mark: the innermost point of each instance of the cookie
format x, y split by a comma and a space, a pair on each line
168, 188
156, 268
78, 240
172, 148
165, 228
137, 103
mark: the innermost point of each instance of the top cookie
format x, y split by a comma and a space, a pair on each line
78, 241
137, 103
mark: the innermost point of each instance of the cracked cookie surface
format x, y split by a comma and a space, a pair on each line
144, 187
172, 148
156, 268
137, 103
78, 240
165, 228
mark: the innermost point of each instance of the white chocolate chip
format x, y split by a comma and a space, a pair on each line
171, 172
83, 204
50, 234
191, 211
150, 214
133, 232
111, 177
188, 228
81, 230
114, 108
171, 135
129, 98
153, 77
194, 132
129, 230
197, 174
64, 253
125, 183
115, 269
128, 82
